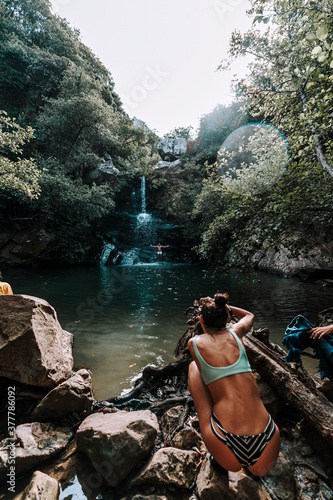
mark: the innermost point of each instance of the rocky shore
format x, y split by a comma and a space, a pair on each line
145, 445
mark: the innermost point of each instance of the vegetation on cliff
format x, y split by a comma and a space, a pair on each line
63, 119
289, 86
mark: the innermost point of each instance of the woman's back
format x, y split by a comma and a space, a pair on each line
235, 395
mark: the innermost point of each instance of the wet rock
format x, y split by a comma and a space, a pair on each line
170, 422
34, 444
41, 487
281, 480
169, 467
172, 149
34, 349
243, 487
117, 442
268, 396
212, 481
73, 395
187, 439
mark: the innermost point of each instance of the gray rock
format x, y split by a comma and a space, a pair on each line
73, 395
169, 467
34, 349
281, 479
41, 487
212, 483
172, 149
105, 173
34, 444
167, 166
117, 442
282, 261
170, 421
187, 438
243, 487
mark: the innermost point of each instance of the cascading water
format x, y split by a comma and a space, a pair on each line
144, 231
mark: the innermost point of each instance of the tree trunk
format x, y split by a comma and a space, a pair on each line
293, 386
318, 146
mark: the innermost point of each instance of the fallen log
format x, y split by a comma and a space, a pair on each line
293, 386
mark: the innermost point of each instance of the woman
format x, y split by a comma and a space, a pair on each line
234, 423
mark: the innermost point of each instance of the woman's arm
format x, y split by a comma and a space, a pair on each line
246, 319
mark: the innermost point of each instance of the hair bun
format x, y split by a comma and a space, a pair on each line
221, 299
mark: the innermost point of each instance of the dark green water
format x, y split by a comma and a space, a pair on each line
125, 317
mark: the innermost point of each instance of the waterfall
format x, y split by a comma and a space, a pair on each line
143, 195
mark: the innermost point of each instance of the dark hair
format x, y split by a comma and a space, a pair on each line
214, 313
1, 277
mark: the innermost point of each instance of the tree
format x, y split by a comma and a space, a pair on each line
18, 175
290, 78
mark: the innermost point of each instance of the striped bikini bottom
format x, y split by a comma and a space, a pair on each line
247, 449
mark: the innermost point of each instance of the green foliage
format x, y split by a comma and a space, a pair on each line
18, 176
183, 132
52, 83
289, 85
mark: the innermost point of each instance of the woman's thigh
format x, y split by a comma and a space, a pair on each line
204, 406
268, 457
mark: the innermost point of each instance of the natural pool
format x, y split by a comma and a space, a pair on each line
124, 317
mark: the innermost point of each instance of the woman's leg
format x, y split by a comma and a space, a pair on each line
204, 406
268, 456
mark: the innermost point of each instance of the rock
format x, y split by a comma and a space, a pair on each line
105, 173
170, 421
140, 123
34, 349
243, 487
187, 438
41, 487
34, 444
73, 395
305, 265
281, 479
24, 246
172, 149
268, 396
175, 166
117, 442
212, 481
169, 467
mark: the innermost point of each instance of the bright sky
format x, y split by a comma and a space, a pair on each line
162, 54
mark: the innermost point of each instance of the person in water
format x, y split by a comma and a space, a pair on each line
5, 288
159, 251
235, 425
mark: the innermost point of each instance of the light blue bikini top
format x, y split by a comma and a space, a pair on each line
211, 373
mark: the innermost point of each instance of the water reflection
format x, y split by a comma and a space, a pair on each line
125, 317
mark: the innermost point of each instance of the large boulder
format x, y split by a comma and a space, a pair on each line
73, 395
172, 149
117, 442
34, 349
105, 173
41, 487
242, 486
169, 467
212, 481
32, 445
305, 264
